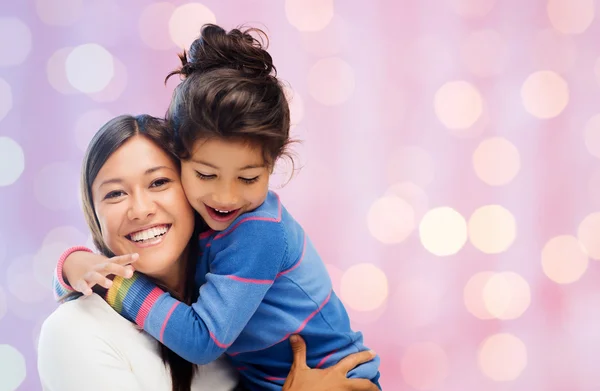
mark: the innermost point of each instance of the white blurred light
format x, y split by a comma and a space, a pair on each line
502, 357
88, 124
592, 135
443, 231
57, 71
492, 229
364, 287
22, 283
331, 81
413, 194
588, 233
6, 100
545, 94
309, 15
89, 68
413, 164
56, 186
564, 259
15, 41
424, 366
296, 105
458, 104
12, 161
496, 161
570, 16
186, 21
391, 219
506, 295
154, 25
59, 12
330, 41
473, 295
115, 87
12, 368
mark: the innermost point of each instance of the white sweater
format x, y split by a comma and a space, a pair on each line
86, 345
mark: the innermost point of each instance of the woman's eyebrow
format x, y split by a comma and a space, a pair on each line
147, 172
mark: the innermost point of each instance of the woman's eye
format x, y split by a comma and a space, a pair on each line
249, 180
160, 182
114, 194
204, 177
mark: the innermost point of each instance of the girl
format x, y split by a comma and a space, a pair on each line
260, 278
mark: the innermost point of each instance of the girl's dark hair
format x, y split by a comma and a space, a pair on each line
230, 91
107, 140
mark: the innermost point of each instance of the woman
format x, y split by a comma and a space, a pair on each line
130, 181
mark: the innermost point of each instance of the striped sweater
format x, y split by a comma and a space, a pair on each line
260, 281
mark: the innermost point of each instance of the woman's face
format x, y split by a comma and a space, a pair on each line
142, 208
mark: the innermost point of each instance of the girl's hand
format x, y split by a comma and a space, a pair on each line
83, 270
303, 378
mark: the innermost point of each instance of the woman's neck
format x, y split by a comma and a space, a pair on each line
173, 279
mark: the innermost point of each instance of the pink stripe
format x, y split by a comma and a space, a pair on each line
164, 325
297, 263
219, 344
302, 326
61, 262
146, 306
205, 234
241, 368
273, 378
274, 220
320, 364
249, 280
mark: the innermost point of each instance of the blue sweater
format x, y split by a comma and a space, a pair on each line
260, 280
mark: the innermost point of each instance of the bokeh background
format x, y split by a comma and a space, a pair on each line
449, 170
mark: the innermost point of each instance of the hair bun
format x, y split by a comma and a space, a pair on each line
237, 49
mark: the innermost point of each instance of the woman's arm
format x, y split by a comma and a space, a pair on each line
73, 355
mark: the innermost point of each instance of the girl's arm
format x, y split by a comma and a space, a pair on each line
239, 277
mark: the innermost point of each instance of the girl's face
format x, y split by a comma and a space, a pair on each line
224, 179
141, 208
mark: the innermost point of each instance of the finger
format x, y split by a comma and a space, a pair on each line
115, 269
95, 278
352, 361
362, 385
125, 259
299, 351
82, 287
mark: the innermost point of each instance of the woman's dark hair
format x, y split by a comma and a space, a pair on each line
230, 91
107, 140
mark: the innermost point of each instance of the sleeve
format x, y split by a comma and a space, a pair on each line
73, 356
238, 279
62, 290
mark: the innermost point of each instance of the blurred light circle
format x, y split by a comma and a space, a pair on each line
443, 231
154, 25
115, 87
13, 369
592, 135
186, 21
59, 12
330, 41
88, 124
564, 259
588, 233
309, 15
331, 81
492, 229
15, 41
296, 105
502, 357
57, 71
364, 287
545, 94
496, 161
391, 219
424, 366
570, 16
413, 164
23, 285
472, 8
413, 194
473, 295
12, 161
506, 295
458, 104
485, 53
6, 99
89, 68
56, 186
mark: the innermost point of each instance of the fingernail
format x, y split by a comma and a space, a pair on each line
128, 273
109, 283
135, 256
373, 354
294, 338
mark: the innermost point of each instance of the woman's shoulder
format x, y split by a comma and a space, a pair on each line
85, 311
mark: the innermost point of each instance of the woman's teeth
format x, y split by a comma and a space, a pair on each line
150, 233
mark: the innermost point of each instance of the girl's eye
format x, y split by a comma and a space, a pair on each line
249, 180
114, 194
160, 182
204, 177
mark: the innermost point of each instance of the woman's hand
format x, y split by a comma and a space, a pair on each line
84, 270
303, 378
